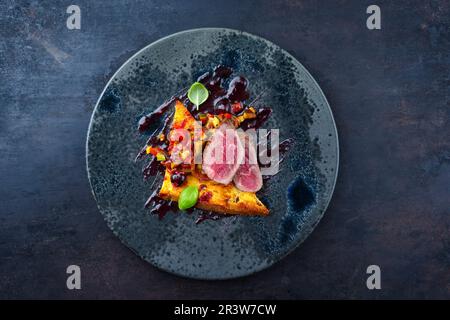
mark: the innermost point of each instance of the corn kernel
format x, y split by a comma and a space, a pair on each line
160, 157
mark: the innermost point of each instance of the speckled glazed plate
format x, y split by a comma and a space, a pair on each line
297, 197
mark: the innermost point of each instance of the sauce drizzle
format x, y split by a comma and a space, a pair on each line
220, 100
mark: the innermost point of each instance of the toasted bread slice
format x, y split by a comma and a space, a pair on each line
212, 196
216, 197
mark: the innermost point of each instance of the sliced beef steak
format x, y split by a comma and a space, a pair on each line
223, 154
248, 177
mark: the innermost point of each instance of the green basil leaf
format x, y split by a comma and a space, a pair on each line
198, 94
188, 197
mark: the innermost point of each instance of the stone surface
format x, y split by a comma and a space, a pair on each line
389, 93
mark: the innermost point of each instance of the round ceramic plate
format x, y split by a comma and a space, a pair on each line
297, 196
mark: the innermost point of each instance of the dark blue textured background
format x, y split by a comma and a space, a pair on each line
389, 91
